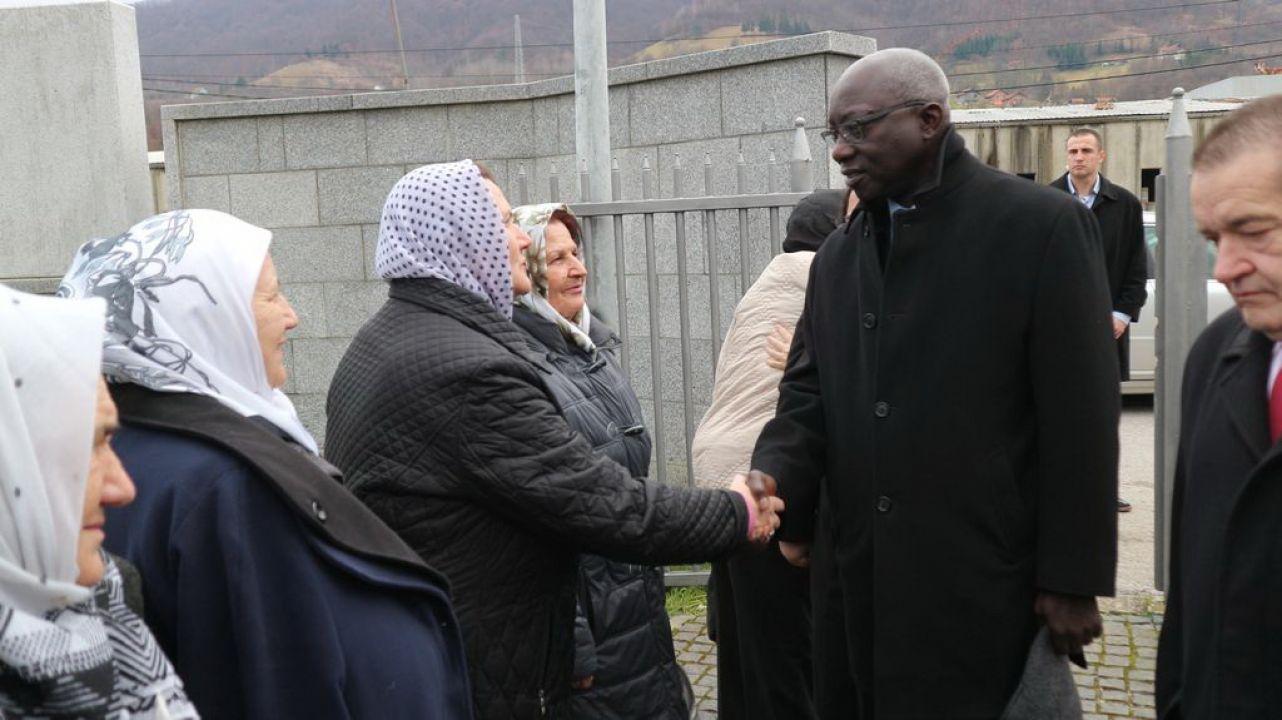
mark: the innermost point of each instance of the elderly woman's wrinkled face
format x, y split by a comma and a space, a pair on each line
108, 486
567, 276
517, 241
274, 317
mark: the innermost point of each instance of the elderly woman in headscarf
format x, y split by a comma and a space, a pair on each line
624, 663
70, 647
764, 676
275, 591
442, 420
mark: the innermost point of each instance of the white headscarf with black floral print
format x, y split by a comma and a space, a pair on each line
179, 288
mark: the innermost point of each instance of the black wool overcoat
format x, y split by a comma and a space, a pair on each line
960, 409
1121, 223
1220, 654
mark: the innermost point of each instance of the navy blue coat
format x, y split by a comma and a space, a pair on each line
269, 610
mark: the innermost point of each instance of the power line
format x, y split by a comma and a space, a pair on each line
1050, 16
190, 93
192, 79
1121, 75
1128, 38
395, 76
1071, 66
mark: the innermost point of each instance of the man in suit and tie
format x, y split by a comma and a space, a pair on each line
1220, 654
1121, 224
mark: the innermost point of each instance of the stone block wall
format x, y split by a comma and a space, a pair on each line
316, 172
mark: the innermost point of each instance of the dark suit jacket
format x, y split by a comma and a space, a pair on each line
959, 409
1121, 222
1220, 654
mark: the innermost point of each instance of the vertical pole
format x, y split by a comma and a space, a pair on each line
592, 145
1181, 307
400, 47
519, 51
522, 185
554, 185
803, 179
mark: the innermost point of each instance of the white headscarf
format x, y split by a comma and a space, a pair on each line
179, 289
50, 351
534, 221
81, 650
440, 221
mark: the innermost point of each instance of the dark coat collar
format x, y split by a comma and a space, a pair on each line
547, 334
1106, 188
318, 501
466, 307
1242, 376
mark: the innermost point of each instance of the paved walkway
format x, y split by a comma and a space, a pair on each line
1119, 683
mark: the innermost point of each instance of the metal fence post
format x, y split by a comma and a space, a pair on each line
1181, 309
803, 179
714, 276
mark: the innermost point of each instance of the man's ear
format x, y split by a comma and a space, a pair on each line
931, 120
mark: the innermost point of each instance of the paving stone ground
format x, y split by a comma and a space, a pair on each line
1119, 683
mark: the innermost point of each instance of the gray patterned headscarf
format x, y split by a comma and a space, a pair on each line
179, 288
440, 221
534, 221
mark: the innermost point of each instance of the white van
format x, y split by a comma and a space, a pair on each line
1143, 331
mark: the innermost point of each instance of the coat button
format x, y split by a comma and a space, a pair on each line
870, 321
319, 511
884, 504
881, 410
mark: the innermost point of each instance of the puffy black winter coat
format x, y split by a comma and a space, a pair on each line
623, 637
442, 421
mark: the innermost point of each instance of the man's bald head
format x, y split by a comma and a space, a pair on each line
898, 75
888, 117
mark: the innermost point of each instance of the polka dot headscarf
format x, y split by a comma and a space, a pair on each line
440, 221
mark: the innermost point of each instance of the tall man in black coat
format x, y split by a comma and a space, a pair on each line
1121, 224
1220, 655
952, 392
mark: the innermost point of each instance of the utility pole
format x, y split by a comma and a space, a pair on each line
1181, 307
520, 52
592, 148
400, 46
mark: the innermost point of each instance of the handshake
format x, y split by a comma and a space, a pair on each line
758, 491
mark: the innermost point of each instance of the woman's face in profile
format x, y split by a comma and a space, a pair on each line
108, 485
567, 276
517, 241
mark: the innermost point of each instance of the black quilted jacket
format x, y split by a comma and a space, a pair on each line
623, 637
441, 421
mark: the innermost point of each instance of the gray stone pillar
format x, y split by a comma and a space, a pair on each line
73, 143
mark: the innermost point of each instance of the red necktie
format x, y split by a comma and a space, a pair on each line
1275, 408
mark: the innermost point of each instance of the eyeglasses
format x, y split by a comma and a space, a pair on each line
853, 132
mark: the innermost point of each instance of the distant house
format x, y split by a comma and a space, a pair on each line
1001, 98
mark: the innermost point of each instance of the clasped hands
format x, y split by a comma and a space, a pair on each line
758, 491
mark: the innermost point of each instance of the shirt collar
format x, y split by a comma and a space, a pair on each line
1068, 178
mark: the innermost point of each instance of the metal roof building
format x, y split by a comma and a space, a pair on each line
1029, 141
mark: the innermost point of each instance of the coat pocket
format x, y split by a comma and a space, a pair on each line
1009, 514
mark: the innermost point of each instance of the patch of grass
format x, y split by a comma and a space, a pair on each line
690, 600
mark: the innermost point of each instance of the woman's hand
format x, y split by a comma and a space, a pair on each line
758, 492
778, 342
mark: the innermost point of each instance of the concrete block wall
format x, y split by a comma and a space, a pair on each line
317, 170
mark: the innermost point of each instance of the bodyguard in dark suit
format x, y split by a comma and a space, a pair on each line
1121, 224
1220, 654
952, 392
